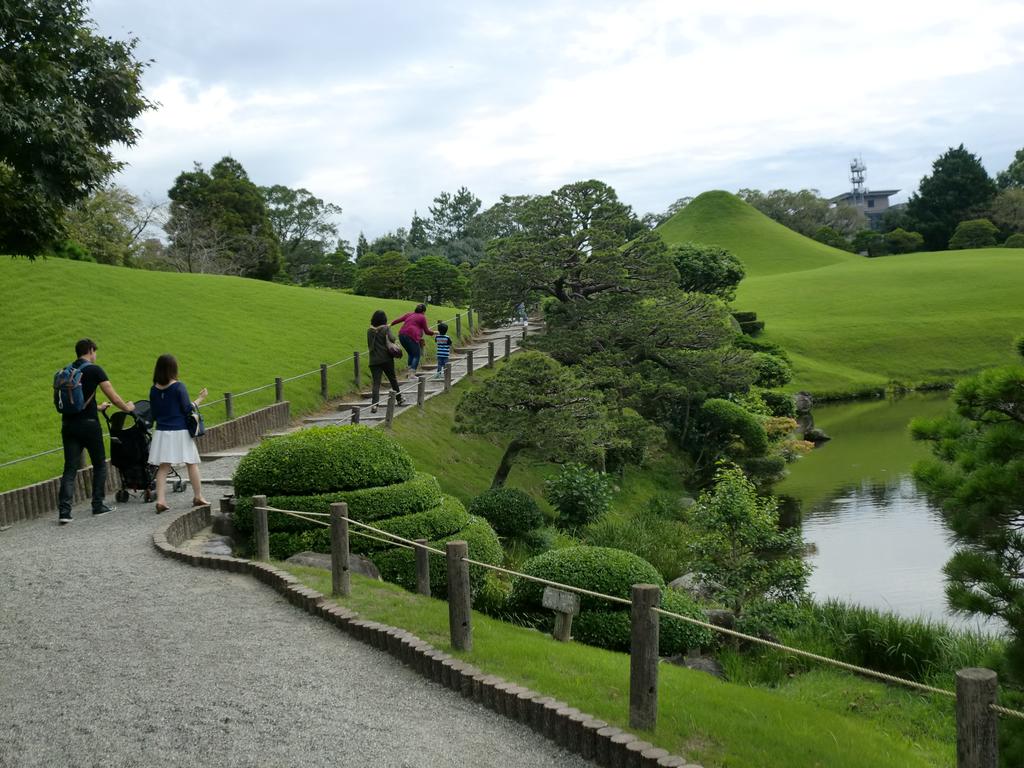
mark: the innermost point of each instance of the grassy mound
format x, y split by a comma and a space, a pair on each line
851, 323
230, 334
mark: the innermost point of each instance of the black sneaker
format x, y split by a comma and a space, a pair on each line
64, 518
102, 510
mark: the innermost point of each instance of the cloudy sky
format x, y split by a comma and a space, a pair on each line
379, 106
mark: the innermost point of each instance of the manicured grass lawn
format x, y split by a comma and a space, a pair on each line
852, 323
229, 334
827, 719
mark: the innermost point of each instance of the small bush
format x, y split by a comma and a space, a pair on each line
611, 629
579, 494
771, 371
510, 511
653, 532
322, 460
366, 504
399, 565
599, 569
1014, 241
974, 233
779, 403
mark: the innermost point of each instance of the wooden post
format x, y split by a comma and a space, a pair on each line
469, 317
976, 723
356, 413
448, 378
643, 657
229, 406
389, 415
357, 378
421, 391
278, 390
490, 354
259, 512
323, 381
459, 607
524, 332
469, 362
422, 568
508, 346
458, 326
340, 583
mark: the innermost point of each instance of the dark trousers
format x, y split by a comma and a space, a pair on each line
79, 435
380, 370
412, 349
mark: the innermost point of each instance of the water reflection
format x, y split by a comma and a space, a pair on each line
875, 539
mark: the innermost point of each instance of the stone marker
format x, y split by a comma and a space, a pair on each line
565, 605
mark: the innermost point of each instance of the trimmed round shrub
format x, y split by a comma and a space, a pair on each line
1014, 241
579, 494
510, 511
611, 629
599, 569
323, 460
445, 519
399, 565
366, 504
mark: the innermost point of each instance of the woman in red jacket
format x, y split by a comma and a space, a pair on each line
410, 335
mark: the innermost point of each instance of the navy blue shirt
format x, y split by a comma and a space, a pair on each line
171, 406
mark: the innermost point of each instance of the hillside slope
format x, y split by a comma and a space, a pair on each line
765, 246
229, 334
852, 323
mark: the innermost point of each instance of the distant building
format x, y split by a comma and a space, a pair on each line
871, 203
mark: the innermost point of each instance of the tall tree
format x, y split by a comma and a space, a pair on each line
574, 244
302, 224
533, 404
804, 211
1007, 210
227, 206
382, 276
110, 224
958, 187
436, 280
450, 216
1013, 176
977, 479
67, 96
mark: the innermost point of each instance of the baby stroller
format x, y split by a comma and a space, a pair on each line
129, 452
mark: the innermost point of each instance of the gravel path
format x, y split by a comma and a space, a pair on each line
111, 655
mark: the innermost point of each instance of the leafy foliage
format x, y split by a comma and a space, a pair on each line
829, 236
804, 211
68, 95
1013, 176
901, 241
535, 404
977, 477
511, 512
738, 544
707, 269
436, 281
611, 629
382, 276
302, 224
1015, 241
579, 494
976, 233
958, 185
321, 460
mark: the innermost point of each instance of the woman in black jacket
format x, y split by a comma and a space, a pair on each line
380, 342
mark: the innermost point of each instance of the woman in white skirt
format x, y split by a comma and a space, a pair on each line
172, 444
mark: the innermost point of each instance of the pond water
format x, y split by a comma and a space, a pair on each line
876, 539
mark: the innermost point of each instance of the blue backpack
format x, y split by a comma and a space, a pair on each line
67, 389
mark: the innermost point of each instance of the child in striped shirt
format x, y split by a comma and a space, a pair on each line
444, 348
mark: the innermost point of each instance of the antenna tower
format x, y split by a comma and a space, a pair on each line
857, 169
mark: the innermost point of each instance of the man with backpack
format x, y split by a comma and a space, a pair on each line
74, 396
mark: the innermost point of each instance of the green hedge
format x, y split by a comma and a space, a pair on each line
600, 569
445, 519
323, 460
611, 629
510, 511
399, 565
366, 504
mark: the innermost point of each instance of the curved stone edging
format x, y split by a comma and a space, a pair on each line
571, 729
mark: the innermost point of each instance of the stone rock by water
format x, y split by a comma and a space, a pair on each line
218, 545
696, 585
699, 663
803, 402
816, 435
722, 617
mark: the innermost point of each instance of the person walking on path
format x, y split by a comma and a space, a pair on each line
414, 326
381, 345
172, 443
444, 348
80, 430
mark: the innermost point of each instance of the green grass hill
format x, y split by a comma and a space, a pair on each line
852, 323
229, 334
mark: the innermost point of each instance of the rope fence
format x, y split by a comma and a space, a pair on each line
317, 518
234, 395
